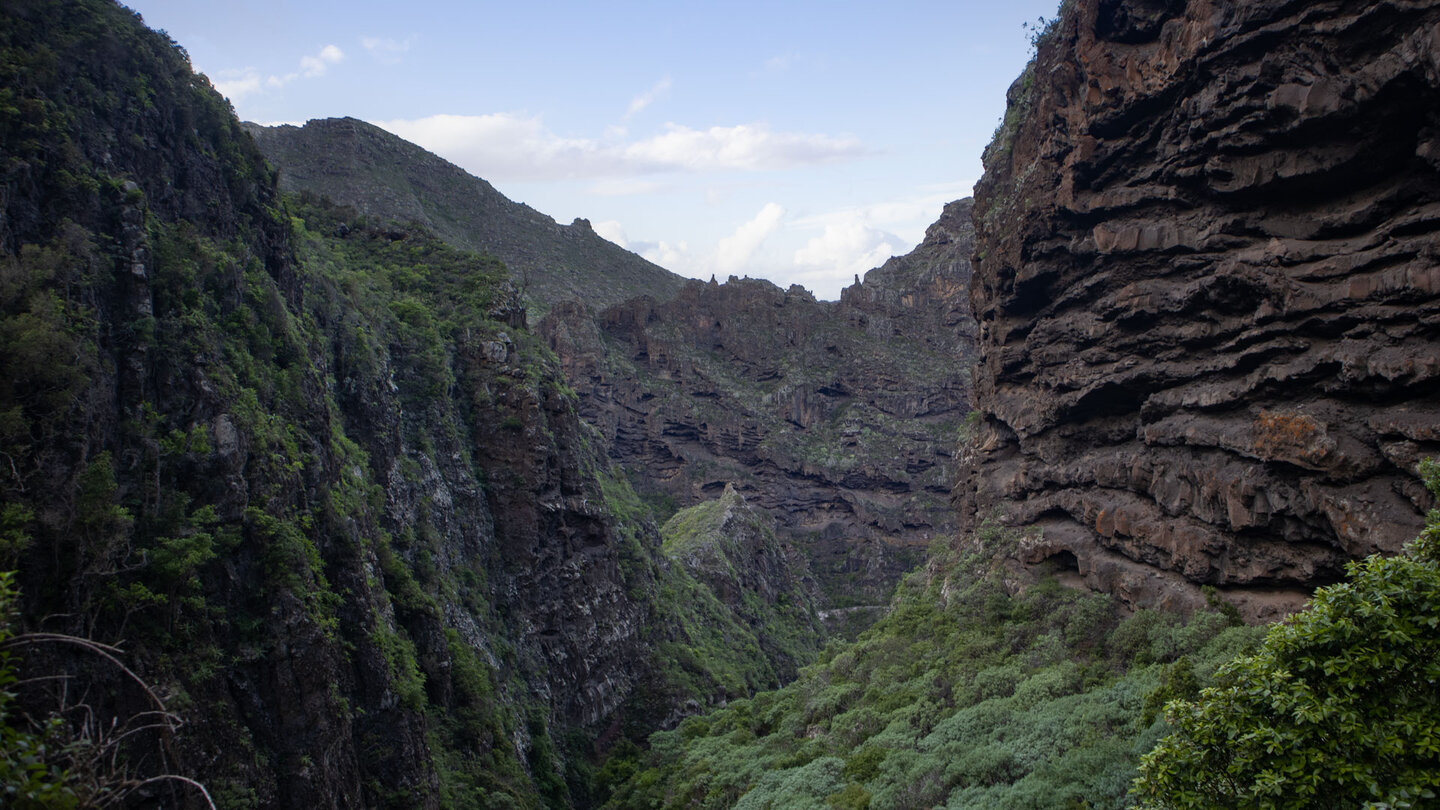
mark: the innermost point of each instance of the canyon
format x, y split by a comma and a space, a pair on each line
836, 418
402, 494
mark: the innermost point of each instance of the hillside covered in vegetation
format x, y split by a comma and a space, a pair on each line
309, 474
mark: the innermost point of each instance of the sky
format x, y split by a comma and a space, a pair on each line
802, 142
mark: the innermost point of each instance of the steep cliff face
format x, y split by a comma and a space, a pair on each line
836, 418
361, 165
311, 469
1208, 282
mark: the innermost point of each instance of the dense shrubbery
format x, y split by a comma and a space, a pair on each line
1339, 707
966, 695
963, 696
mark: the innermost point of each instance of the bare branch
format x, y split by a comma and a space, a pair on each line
177, 778
103, 650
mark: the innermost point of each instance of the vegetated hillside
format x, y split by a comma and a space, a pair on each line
838, 419
309, 470
1209, 295
965, 695
731, 547
358, 164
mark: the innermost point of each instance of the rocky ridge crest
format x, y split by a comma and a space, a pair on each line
358, 164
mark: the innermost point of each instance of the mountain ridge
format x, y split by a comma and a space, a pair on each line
359, 164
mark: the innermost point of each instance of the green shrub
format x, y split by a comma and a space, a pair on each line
1339, 707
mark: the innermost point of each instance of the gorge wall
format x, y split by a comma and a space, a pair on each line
838, 419
308, 469
1208, 283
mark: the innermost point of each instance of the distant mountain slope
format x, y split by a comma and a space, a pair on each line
839, 418
361, 165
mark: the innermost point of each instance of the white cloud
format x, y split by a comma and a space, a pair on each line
387, 51
676, 257
625, 187
517, 147
648, 97
908, 216
904, 213
610, 229
846, 249
734, 251
504, 146
744, 146
237, 84
314, 66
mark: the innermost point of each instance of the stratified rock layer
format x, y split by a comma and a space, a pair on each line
1208, 282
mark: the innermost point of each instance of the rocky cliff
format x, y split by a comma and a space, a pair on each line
307, 469
1208, 282
836, 418
361, 165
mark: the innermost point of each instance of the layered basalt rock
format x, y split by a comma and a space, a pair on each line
1208, 283
836, 418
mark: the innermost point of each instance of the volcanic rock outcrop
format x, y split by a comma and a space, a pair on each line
837, 418
1208, 282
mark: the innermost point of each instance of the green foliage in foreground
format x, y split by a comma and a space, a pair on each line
29, 776
963, 696
1340, 707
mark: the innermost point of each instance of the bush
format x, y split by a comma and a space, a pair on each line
1338, 708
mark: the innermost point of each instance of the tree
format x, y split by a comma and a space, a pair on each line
1340, 707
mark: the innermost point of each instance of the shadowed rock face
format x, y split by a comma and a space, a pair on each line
836, 418
1208, 282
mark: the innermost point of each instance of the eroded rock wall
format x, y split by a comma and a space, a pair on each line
836, 418
1208, 282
